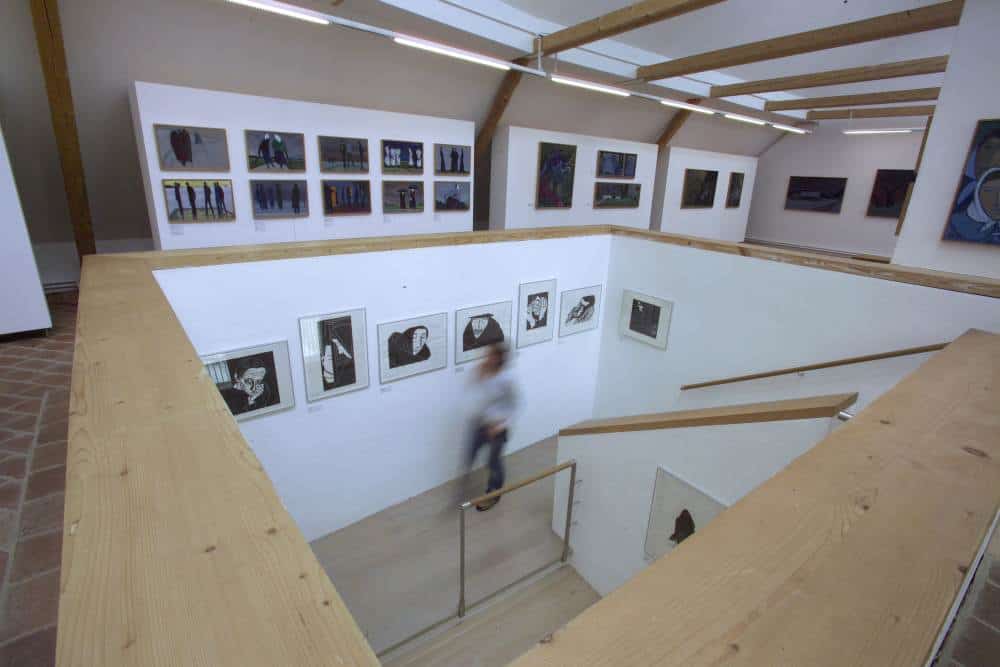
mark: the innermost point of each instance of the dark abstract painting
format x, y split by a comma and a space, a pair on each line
815, 193
699, 188
735, 192
889, 192
556, 170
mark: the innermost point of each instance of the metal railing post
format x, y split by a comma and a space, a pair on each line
461, 558
569, 512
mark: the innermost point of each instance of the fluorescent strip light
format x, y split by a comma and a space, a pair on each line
590, 86
745, 119
788, 128
901, 130
450, 51
281, 9
685, 105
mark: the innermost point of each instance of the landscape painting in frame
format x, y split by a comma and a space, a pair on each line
556, 170
735, 193
975, 213
611, 164
402, 196
815, 193
537, 302
452, 160
645, 318
189, 148
334, 353
452, 195
579, 310
699, 188
402, 157
889, 192
346, 197
279, 199
196, 201
411, 347
616, 195
345, 155
268, 150
479, 327
253, 381
677, 512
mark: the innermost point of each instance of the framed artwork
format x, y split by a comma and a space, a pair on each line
537, 303
611, 164
402, 157
334, 353
975, 213
478, 328
735, 192
199, 201
279, 199
556, 169
815, 193
616, 195
343, 155
268, 150
699, 188
188, 148
452, 160
677, 512
645, 318
579, 310
452, 195
253, 381
411, 347
402, 196
889, 192
346, 197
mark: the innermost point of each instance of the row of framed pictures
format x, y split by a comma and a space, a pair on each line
823, 194
699, 188
557, 172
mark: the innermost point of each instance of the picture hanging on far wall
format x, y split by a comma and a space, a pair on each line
812, 193
479, 327
556, 169
975, 213
579, 310
645, 318
253, 381
450, 159
346, 197
611, 164
616, 195
677, 512
334, 353
279, 199
452, 195
889, 192
268, 150
735, 193
196, 201
411, 347
188, 148
537, 303
402, 196
402, 157
699, 188
344, 155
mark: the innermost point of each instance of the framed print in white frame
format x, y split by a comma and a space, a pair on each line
645, 318
412, 346
253, 381
479, 327
579, 310
334, 353
536, 317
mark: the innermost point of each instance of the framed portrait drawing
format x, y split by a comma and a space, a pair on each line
975, 214
411, 347
268, 150
645, 318
334, 353
536, 314
556, 170
253, 381
274, 200
452, 160
677, 512
579, 310
189, 148
479, 327
402, 157
735, 193
699, 188
196, 201
344, 155
815, 193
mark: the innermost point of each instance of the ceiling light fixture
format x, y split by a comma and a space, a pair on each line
283, 9
745, 119
590, 86
900, 130
451, 52
789, 128
684, 105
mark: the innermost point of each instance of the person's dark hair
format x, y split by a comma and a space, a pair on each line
500, 353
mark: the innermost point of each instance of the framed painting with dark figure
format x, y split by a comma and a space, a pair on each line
452, 160
645, 318
279, 199
253, 381
975, 213
452, 195
537, 302
735, 193
889, 192
194, 201
402, 157
343, 155
616, 195
699, 188
815, 193
411, 347
579, 310
556, 170
677, 512
479, 327
611, 164
346, 197
334, 353
188, 148
402, 196
268, 150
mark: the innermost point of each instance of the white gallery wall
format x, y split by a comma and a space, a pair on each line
514, 174
174, 105
718, 222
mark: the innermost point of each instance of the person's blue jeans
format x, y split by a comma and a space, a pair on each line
480, 438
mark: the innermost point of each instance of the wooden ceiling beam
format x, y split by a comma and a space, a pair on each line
932, 17
889, 97
673, 127
885, 112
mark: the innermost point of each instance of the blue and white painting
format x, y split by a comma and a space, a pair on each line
975, 215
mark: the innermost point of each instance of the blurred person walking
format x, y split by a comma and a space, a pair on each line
493, 397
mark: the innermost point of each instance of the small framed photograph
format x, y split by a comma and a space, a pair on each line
579, 310
537, 312
479, 327
411, 347
645, 318
253, 381
334, 353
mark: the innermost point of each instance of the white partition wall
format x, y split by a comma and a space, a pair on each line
157, 103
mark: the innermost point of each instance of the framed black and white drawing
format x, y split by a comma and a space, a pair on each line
579, 310
645, 318
334, 353
537, 317
677, 512
479, 327
253, 381
411, 347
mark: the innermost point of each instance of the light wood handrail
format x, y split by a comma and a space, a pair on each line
823, 364
524, 482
